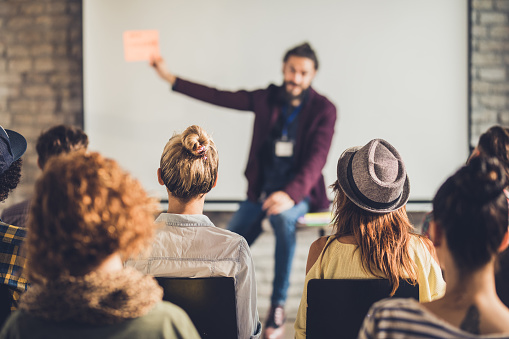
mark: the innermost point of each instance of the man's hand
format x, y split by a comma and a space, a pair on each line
277, 202
161, 69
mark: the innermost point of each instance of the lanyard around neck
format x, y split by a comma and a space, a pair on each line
289, 119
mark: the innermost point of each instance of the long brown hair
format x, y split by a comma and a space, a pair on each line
383, 239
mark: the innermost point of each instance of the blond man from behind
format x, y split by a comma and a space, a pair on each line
188, 244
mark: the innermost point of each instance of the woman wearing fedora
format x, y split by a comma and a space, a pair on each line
372, 233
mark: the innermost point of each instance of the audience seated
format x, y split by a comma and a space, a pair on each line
12, 257
373, 236
86, 216
469, 229
188, 244
58, 139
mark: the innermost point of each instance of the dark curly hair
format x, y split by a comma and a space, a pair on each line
60, 139
10, 179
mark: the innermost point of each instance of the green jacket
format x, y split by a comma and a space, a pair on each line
165, 320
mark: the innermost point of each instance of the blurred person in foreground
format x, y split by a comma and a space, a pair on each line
86, 216
469, 229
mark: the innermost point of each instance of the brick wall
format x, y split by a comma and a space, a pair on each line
40, 72
41, 69
489, 68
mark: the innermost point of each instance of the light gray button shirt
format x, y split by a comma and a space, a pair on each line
191, 246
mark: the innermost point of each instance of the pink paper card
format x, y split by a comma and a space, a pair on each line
141, 45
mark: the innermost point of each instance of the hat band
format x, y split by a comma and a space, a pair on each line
371, 203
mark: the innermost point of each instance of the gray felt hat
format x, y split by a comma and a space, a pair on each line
374, 177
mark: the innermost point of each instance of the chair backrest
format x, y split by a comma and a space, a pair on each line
5, 303
337, 307
209, 302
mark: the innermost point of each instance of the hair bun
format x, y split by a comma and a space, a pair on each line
482, 180
196, 140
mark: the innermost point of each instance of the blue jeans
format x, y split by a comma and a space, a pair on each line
247, 221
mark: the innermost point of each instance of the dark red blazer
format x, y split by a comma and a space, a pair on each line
314, 136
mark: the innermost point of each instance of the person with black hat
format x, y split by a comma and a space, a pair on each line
12, 260
372, 234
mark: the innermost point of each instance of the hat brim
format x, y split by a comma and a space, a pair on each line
345, 185
18, 144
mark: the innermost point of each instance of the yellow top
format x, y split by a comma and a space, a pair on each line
342, 261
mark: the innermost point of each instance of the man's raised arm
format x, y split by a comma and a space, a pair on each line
162, 70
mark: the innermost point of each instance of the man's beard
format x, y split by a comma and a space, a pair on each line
287, 97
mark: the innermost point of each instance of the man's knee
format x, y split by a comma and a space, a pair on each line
283, 221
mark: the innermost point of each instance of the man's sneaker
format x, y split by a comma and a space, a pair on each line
275, 324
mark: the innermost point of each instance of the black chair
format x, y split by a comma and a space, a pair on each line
209, 302
337, 307
5, 303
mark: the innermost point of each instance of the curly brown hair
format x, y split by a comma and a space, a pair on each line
85, 209
9, 179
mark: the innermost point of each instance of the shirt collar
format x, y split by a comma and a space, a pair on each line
192, 220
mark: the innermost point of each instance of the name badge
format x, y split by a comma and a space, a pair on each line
284, 148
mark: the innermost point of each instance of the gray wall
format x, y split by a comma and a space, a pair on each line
379, 64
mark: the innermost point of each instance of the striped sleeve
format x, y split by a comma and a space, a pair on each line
405, 318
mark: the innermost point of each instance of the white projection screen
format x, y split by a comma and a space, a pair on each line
395, 69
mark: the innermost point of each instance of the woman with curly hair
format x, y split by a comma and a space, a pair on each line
86, 217
373, 237
469, 229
